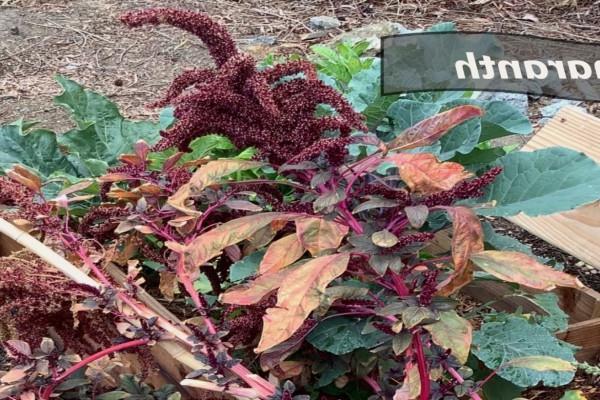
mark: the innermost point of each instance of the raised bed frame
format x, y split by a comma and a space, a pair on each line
581, 304
174, 360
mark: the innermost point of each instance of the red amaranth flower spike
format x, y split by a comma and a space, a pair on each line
220, 44
464, 190
251, 107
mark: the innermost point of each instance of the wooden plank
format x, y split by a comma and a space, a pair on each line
576, 232
581, 304
586, 335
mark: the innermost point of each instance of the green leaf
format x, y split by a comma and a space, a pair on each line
400, 342
407, 113
95, 167
556, 320
114, 395
452, 332
202, 284
364, 94
497, 343
331, 371
461, 139
328, 199
341, 335
102, 133
573, 395
495, 388
245, 267
414, 315
72, 384
507, 243
479, 157
500, 389
542, 182
166, 118
200, 147
37, 149
503, 242
502, 119
132, 385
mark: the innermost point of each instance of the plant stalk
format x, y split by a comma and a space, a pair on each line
459, 379
422, 365
71, 370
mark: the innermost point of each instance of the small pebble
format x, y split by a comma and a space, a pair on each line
324, 22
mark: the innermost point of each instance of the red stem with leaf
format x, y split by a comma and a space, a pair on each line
47, 392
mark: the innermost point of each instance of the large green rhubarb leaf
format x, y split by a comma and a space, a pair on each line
498, 343
102, 133
542, 182
34, 148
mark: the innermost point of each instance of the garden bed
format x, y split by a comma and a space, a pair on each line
299, 235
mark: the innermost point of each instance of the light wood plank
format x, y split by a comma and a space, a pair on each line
576, 232
586, 335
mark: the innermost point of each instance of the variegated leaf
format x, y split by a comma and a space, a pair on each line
299, 294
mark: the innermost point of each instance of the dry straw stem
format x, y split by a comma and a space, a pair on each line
45, 253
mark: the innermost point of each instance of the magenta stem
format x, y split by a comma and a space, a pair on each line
460, 380
422, 365
71, 370
373, 384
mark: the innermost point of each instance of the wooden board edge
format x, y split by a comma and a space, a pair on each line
586, 335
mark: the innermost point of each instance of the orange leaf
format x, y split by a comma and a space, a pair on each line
114, 177
207, 175
76, 188
120, 194
467, 239
430, 130
211, 243
281, 253
318, 234
14, 375
25, 177
168, 284
131, 159
254, 291
512, 266
149, 189
423, 172
300, 293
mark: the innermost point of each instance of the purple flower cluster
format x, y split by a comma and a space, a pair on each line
251, 107
464, 190
29, 206
34, 296
100, 221
406, 240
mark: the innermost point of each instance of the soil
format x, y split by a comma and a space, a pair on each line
84, 40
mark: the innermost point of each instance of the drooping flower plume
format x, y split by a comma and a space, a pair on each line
251, 107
